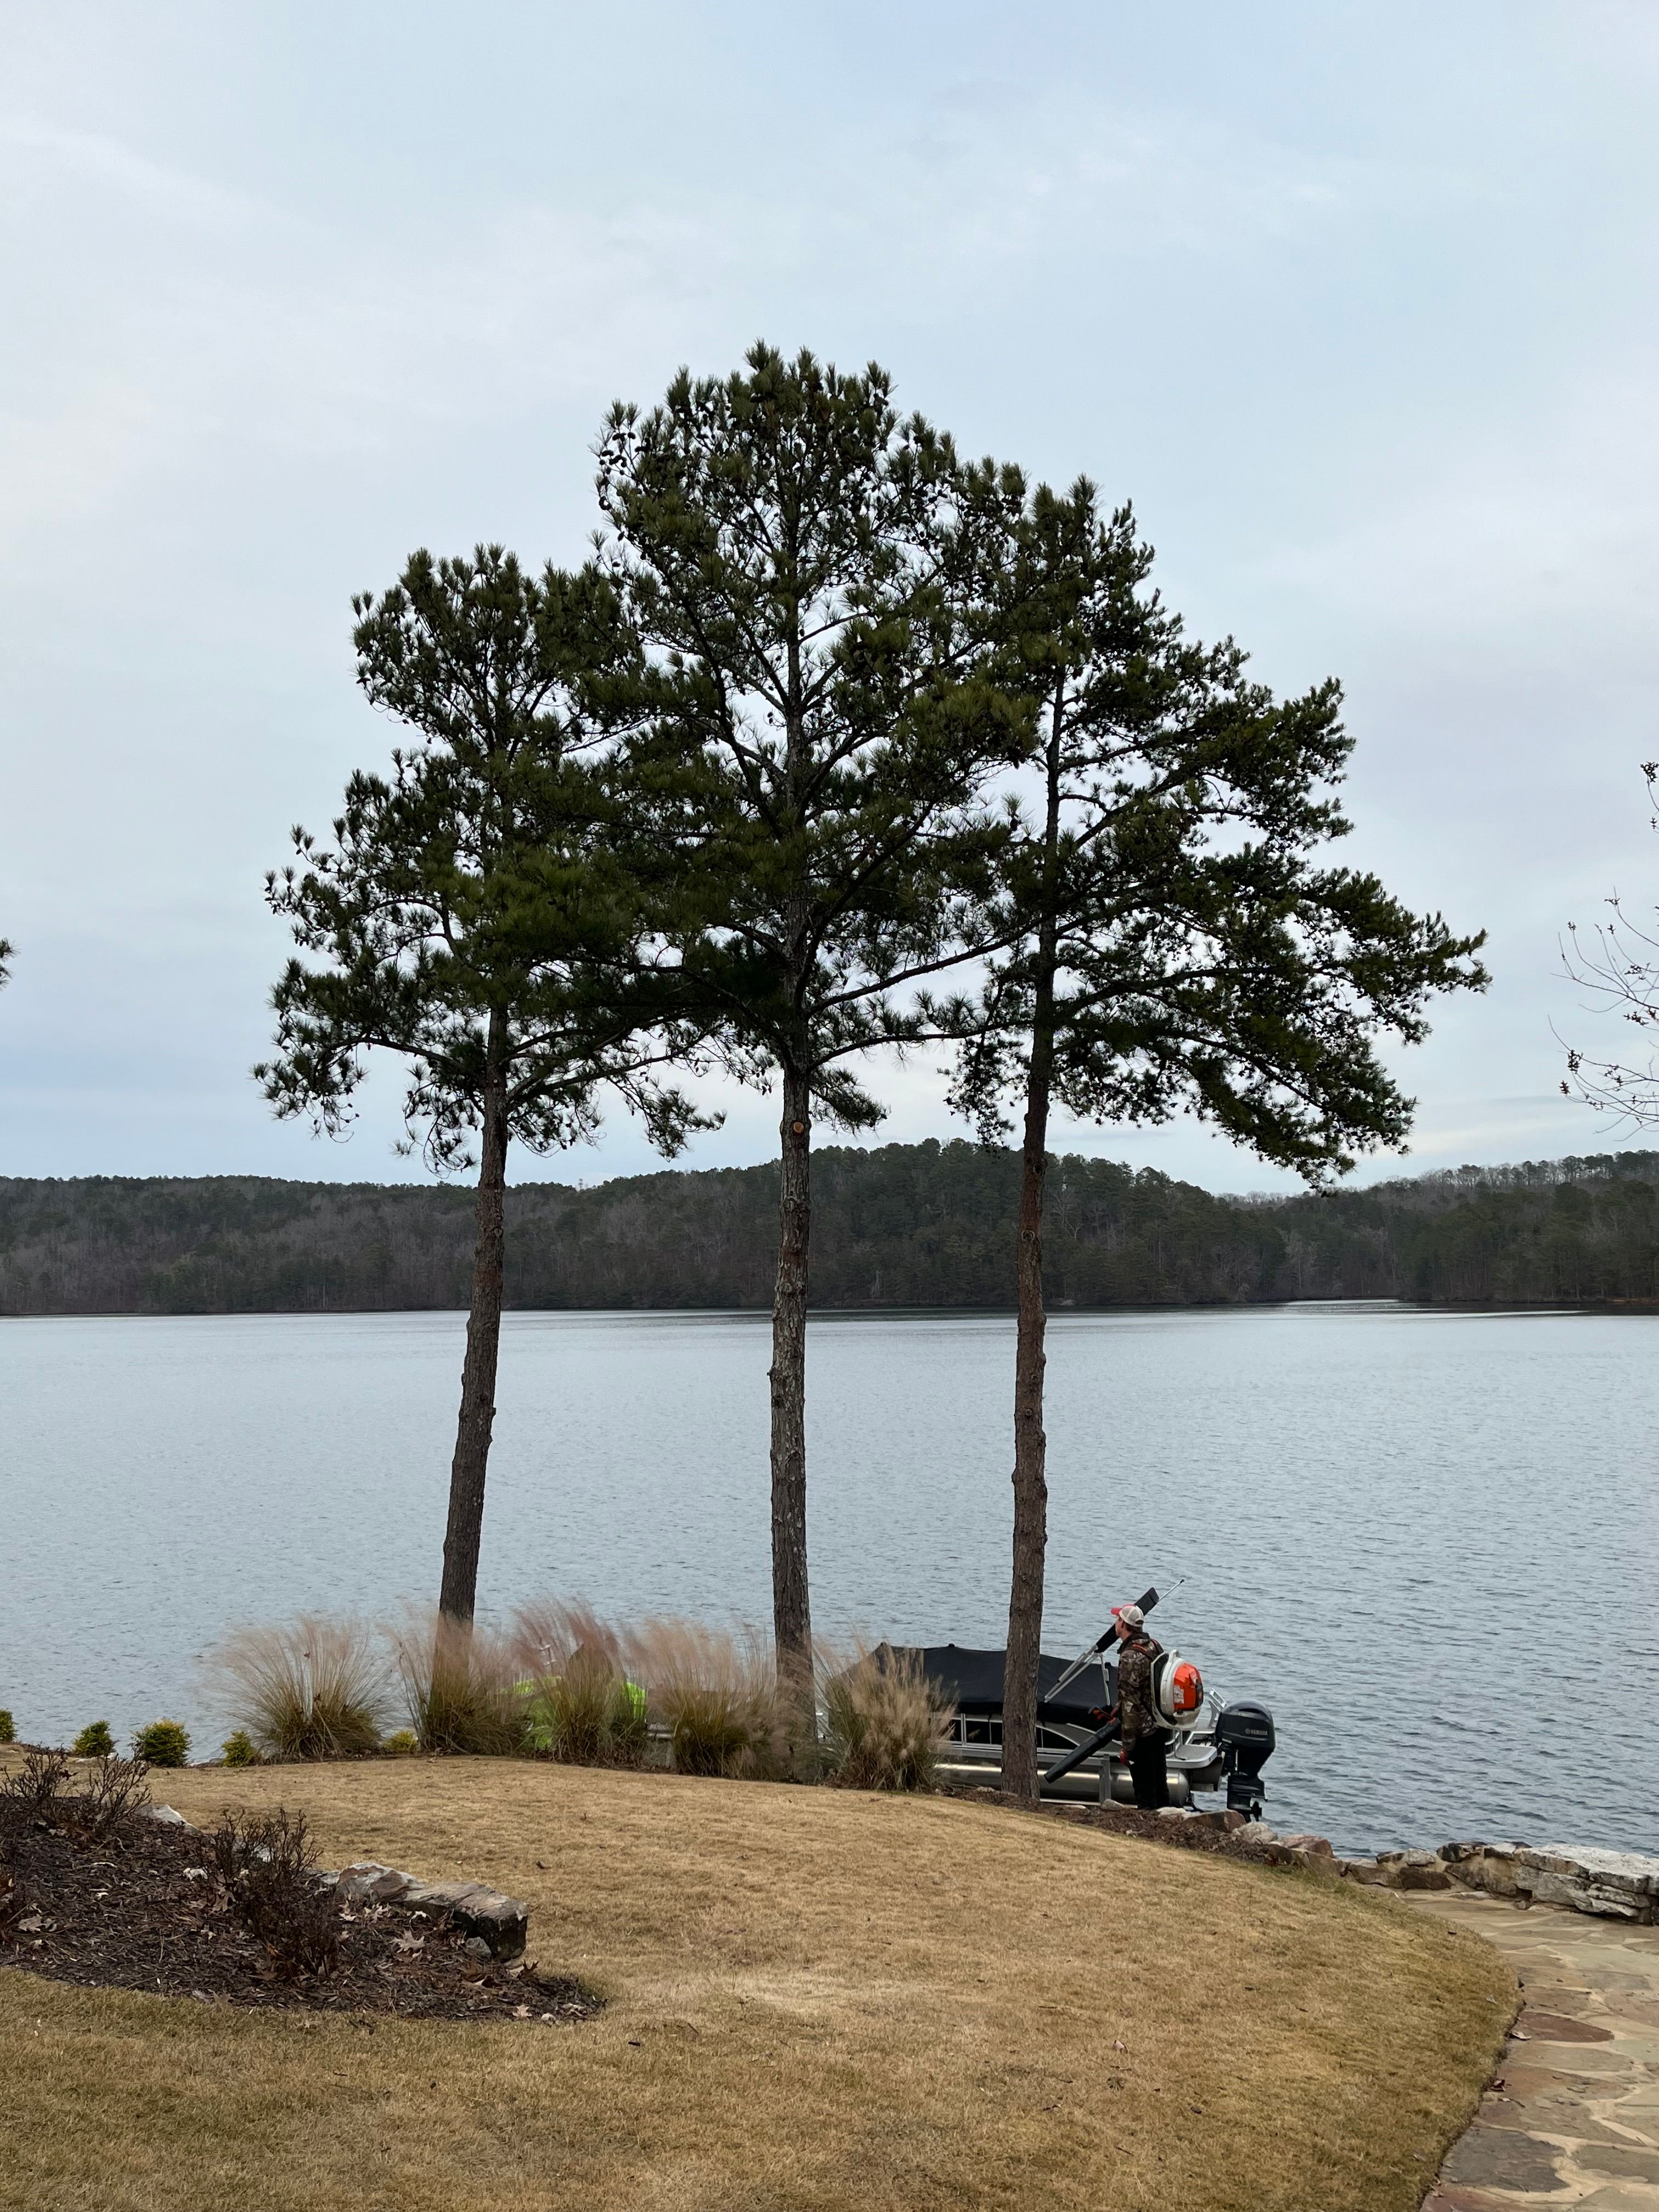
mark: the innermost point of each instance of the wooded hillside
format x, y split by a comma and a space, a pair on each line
903, 1225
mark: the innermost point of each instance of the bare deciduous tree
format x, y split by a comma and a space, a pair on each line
1618, 964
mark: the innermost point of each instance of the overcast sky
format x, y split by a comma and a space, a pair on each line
1356, 305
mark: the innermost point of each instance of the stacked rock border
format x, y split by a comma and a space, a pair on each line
496, 1923
1611, 1884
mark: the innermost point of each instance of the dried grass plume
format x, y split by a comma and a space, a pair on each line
316, 1688
886, 1721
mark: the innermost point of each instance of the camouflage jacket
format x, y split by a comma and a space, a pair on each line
1136, 1713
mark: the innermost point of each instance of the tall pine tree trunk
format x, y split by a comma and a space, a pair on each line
1019, 1693
1020, 1664
484, 1340
792, 1618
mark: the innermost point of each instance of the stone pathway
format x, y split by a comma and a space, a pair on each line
1574, 2118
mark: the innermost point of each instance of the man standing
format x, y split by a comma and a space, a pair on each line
1143, 1738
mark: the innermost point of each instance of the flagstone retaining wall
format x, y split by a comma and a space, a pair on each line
1614, 1884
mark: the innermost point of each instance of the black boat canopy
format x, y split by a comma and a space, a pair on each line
974, 1680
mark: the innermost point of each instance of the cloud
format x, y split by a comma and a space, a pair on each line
1371, 346
38, 147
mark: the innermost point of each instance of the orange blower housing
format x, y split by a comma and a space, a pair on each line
1177, 1691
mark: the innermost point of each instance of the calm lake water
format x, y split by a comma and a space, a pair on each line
1428, 1542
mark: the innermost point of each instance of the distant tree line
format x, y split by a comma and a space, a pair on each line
1571, 1231
901, 1226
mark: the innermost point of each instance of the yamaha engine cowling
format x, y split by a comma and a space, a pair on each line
1245, 1736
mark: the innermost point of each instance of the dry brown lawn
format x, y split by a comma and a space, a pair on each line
818, 1999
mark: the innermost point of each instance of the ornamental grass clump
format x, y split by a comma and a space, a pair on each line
579, 1704
885, 1722
716, 1693
460, 1685
315, 1689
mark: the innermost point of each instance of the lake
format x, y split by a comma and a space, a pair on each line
1428, 1542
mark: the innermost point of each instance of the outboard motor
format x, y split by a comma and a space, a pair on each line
1245, 1736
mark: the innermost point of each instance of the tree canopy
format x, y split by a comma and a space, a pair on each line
472, 900
471, 917
1168, 933
1617, 962
831, 715
801, 566
1170, 889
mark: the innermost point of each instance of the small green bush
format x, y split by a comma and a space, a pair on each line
95, 1741
163, 1743
402, 1743
8, 1729
240, 1750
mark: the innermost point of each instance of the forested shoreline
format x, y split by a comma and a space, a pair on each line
926, 1224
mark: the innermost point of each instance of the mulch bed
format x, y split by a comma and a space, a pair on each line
147, 1910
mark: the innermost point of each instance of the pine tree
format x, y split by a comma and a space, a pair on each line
802, 568
1174, 938
471, 918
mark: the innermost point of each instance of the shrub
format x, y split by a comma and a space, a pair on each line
36, 1788
716, 1693
163, 1743
590, 1715
885, 1722
239, 1749
266, 1863
402, 1742
460, 1685
95, 1741
317, 1689
116, 1793
7, 1726
579, 1704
